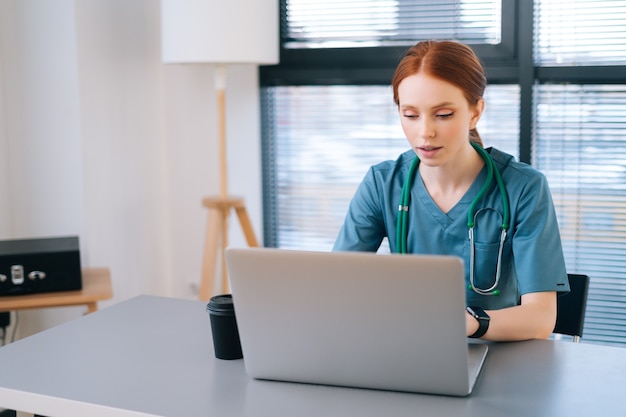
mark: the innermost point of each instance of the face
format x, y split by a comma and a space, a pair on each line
436, 119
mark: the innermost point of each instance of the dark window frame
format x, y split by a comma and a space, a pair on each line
511, 62
375, 65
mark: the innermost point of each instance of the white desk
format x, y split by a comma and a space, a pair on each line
152, 356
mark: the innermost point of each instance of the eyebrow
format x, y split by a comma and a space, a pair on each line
437, 106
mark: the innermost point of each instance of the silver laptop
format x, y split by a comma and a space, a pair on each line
390, 322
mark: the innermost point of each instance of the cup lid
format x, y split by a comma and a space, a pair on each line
220, 303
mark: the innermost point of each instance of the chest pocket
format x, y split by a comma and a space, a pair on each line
487, 234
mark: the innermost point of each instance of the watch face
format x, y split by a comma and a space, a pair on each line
478, 313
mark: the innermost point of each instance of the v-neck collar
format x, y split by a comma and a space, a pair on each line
456, 213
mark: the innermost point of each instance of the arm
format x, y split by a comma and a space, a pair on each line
538, 261
534, 318
363, 228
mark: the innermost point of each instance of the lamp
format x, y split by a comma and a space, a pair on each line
220, 32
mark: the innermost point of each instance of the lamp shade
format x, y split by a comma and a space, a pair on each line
220, 31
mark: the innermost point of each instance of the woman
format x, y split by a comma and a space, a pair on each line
514, 263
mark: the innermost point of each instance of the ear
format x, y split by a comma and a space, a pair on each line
477, 111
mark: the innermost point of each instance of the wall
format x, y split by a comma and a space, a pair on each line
99, 138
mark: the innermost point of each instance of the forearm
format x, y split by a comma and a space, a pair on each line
533, 319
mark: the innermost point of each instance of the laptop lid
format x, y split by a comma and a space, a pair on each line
392, 322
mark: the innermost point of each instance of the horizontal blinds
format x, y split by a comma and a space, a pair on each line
324, 139
499, 124
580, 32
581, 147
357, 23
578, 134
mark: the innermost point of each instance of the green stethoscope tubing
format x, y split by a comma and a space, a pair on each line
492, 171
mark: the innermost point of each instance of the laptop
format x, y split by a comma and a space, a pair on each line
354, 319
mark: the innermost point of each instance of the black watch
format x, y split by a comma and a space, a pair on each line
482, 318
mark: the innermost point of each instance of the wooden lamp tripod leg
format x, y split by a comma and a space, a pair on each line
225, 284
217, 241
246, 225
211, 248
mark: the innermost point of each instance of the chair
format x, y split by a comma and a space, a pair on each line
571, 307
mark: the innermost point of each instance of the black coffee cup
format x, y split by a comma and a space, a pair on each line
224, 327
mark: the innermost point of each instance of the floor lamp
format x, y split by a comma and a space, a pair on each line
220, 32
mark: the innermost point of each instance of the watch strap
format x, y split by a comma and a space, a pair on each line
483, 321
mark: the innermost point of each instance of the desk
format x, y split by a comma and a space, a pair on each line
96, 284
152, 356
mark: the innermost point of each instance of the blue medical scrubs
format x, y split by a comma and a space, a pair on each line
532, 260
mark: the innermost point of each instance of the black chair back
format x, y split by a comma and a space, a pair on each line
571, 307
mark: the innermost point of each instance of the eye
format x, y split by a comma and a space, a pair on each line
410, 116
445, 115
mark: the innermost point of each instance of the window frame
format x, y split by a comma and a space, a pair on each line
511, 62
376, 65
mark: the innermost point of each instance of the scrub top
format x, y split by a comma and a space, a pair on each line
532, 258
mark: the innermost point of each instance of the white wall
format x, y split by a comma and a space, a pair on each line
99, 138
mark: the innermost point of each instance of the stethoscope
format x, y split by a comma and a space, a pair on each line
492, 170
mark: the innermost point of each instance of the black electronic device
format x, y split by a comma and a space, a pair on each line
39, 265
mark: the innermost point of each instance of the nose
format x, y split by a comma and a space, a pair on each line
426, 129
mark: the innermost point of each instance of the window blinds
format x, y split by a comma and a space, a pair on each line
323, 139
320, 140
581, 147
358, 23
580, 32
580, 144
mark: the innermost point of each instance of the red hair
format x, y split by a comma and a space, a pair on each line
449, 61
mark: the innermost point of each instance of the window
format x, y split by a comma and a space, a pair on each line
581, 32
349, 24
580, 145
556, 99
321, 154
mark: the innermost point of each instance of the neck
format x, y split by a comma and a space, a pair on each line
447, 183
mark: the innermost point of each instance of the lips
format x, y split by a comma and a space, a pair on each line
428, 151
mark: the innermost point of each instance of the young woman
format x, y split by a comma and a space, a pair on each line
449, 195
